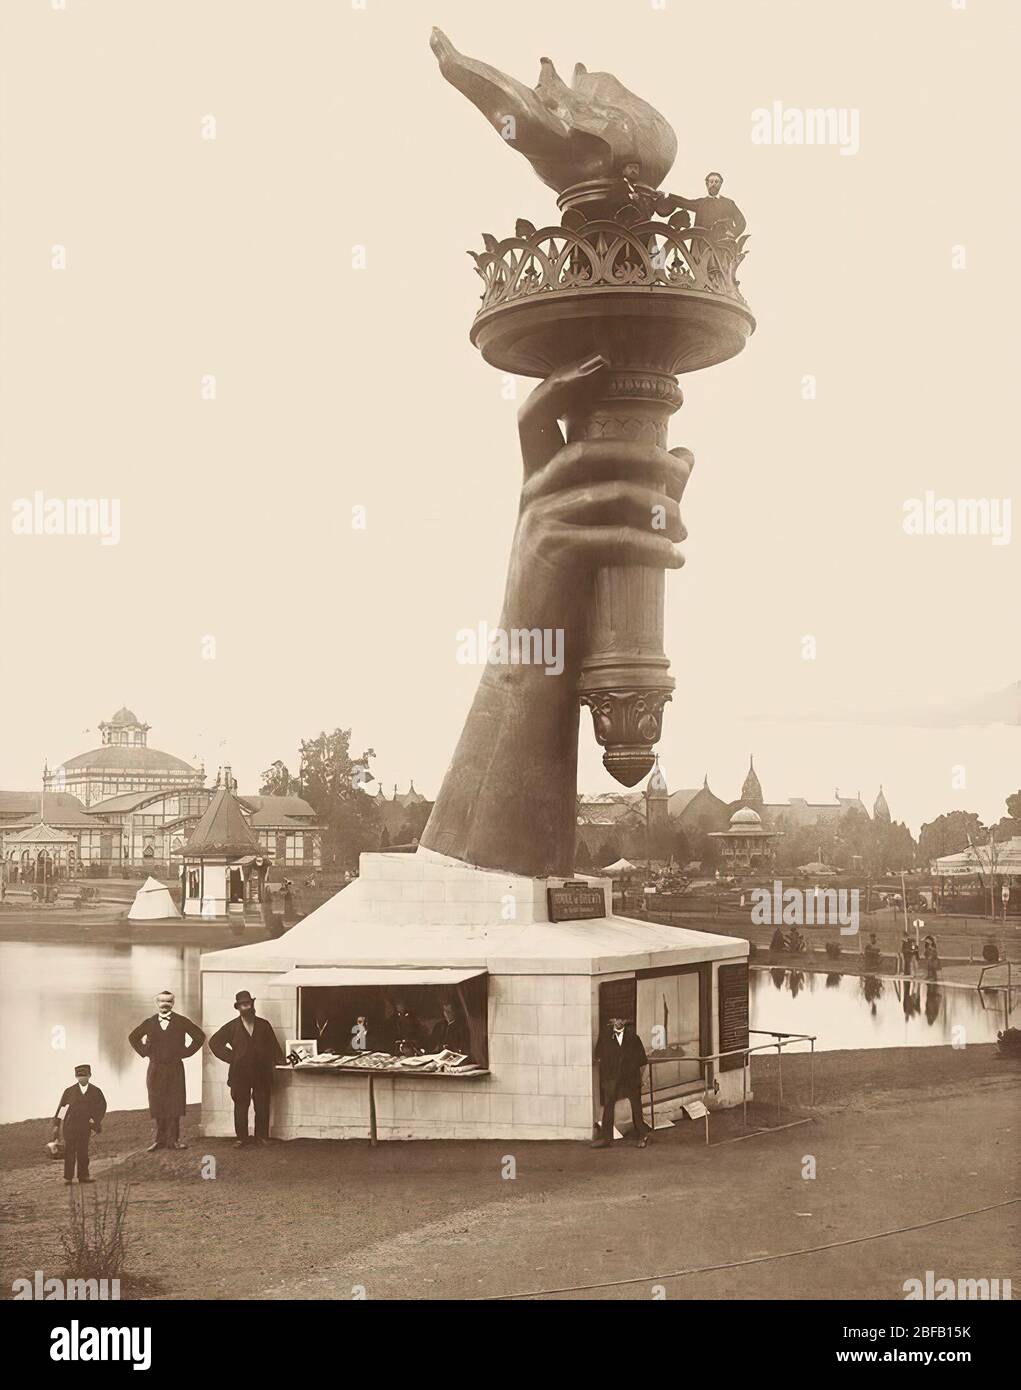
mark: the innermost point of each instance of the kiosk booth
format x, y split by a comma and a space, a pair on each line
511, 1054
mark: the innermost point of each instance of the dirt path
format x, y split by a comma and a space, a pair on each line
898, 1138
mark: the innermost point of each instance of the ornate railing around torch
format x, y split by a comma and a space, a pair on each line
645, 254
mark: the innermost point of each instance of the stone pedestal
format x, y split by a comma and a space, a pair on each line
424, 910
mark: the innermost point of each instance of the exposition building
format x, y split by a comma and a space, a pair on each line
125, 807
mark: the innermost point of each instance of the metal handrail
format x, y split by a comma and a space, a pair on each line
782, 1039
995, 965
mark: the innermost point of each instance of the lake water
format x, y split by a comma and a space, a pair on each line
64, 1004
866, 1011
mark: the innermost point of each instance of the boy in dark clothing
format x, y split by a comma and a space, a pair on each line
83, 1106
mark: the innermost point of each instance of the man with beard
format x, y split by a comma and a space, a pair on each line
250, 1048
166, 1039
712, 212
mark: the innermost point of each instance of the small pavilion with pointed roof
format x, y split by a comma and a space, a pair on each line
223, 867
40, 853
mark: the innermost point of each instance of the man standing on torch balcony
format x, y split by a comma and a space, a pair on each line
711, 212
166, 1039
621, 1057
249, 1046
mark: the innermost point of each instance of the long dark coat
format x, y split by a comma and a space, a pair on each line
165, 1049
249, 1059
620, 1064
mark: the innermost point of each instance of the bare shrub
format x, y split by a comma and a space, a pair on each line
95, 1241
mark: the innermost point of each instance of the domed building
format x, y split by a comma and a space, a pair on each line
123, 763
746, 844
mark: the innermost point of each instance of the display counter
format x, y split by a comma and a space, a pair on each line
389, 1072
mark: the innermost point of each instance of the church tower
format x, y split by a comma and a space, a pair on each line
880, 809
751, 789
657, 815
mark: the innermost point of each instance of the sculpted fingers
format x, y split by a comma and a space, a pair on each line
597, 460
616, 545
618, 505
685, 463
539, 416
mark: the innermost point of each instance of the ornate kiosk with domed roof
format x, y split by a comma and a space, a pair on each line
746, 845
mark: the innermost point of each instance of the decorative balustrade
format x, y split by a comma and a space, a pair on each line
611, 254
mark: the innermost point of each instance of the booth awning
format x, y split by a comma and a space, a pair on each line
394, 976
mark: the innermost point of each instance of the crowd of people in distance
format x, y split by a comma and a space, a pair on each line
912, 959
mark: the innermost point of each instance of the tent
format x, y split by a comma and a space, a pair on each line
1005, 858
621, 866
152, 903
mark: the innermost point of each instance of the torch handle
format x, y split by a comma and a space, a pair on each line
625, 675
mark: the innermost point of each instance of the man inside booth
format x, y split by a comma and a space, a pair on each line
450, 1031
403, 1031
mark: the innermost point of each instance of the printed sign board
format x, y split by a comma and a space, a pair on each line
575, 901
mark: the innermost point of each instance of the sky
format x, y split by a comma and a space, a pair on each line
241, 610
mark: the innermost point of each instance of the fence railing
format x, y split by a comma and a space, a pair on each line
780, 1041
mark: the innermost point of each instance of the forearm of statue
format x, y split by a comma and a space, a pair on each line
509, 797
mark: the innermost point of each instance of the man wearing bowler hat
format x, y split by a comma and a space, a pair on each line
82, 1107
621, 1058
249, 1047
166, 1039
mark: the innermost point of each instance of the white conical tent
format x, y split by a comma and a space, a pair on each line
152, 903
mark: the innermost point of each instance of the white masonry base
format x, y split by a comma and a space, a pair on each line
425, 910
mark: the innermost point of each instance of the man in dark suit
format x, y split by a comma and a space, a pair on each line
451, 1031
621, 1057
250, 1048
712, 213
83, 1106
403, 1031
166, 1039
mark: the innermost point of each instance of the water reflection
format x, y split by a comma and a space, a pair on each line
96, 995
866, 1011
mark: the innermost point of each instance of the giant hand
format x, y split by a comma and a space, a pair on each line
509, 797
